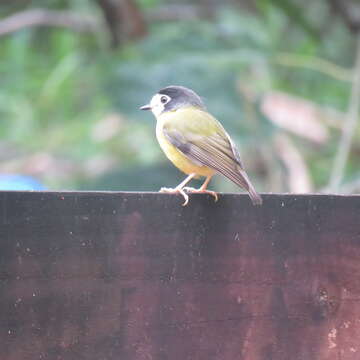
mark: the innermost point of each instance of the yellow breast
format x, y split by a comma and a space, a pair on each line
177, 157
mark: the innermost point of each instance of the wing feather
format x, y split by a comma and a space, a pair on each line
215, 149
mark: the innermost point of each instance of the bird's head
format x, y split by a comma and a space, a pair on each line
173, 98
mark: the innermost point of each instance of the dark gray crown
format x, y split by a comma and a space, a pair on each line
180, 97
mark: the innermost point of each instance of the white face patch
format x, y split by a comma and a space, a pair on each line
158, 103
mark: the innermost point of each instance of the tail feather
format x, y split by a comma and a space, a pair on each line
241, 179
254, 196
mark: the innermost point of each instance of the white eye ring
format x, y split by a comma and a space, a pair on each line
164, 99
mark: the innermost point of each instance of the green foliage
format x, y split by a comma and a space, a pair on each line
58, 86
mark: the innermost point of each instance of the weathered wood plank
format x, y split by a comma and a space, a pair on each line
137, 276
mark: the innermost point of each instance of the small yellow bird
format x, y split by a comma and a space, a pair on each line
195, 142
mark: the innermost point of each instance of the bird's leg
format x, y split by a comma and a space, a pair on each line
202, 189
179, 189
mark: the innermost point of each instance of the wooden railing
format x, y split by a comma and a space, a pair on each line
136, 276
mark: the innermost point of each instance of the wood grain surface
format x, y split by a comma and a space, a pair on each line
136, 276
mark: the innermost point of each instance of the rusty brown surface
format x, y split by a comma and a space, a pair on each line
126, 276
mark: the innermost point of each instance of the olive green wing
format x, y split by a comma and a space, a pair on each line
201, 138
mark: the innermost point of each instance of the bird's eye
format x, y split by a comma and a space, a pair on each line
164, 99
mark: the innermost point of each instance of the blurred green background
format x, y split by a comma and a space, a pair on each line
282, 76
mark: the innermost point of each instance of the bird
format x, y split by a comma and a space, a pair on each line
196, 142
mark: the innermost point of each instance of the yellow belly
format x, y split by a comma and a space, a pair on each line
178, 158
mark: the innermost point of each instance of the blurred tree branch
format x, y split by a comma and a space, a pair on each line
314, 63
124, 19
349, 126
299, 180
173, 12
43, 17
349, 11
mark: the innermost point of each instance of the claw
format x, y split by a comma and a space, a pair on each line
189, 189
202, 191
176, 191
180, 189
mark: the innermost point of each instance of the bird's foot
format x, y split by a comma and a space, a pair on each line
176, 190
202, 191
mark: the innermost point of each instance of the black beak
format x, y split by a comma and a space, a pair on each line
146, 107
